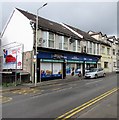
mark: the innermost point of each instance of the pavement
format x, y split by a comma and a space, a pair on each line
43, 83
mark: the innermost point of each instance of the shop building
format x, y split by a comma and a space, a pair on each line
60, 50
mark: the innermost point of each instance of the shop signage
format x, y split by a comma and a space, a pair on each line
66, 56
90, 62
74, 61
51, 60
58, 56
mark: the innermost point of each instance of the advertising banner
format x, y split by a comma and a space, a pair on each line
12, 58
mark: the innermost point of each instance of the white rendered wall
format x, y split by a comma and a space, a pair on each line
18, 30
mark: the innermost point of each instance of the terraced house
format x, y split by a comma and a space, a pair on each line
108, 50
61, 48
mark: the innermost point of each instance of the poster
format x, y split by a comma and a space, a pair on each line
12, 58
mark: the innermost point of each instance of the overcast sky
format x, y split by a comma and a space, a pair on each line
95, 16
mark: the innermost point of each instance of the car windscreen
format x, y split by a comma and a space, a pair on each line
93, 70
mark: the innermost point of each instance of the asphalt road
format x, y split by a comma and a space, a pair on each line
55, 100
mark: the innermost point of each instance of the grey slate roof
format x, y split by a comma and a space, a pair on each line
55, 27
84, 34
49, 25
87, 36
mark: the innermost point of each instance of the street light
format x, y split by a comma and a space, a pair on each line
36, 41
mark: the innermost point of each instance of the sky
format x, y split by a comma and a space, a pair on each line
95, 15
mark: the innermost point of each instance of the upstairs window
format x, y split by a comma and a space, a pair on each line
78, 46
103, 50
44, 39
51, 40
108, 51
65, 43
74, 46
98, 49
94, 48
114, 52
90, 47
60, 42
114, 64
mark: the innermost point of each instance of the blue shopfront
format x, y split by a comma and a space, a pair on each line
56, 64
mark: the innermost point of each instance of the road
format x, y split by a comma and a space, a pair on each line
56, 100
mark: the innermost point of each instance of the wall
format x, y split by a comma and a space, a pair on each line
27, 61
18, 29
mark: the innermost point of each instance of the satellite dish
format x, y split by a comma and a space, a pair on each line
71, 40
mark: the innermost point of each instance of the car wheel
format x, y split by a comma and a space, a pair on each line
96, 76
104, 75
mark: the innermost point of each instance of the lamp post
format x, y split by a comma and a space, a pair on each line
36, 41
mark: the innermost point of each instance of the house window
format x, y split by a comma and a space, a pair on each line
51, 40
74, 46
108, 51
65, 43
87, 45
105, 64
94, 46
44, 39
114, 52
98, 49
114, 64
60, 42
103, 50
90, 47
78, 46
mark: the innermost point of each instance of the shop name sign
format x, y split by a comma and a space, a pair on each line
58, 56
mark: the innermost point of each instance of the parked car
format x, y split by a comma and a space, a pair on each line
78, 71
117, 70
95, 73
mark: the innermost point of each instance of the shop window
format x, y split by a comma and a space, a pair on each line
105, 64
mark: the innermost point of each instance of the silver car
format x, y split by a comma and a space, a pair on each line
117, 70
95, 73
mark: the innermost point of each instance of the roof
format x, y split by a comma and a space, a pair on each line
111, 37
55, 27
94, 33
48, 25
87, 37
84, 34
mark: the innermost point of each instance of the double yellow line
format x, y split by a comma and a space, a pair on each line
76, 110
